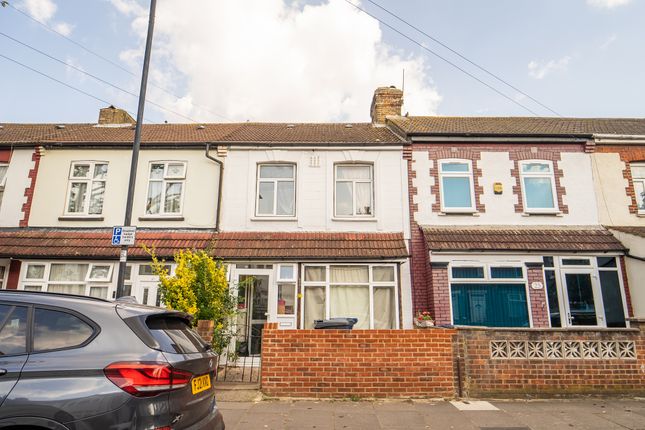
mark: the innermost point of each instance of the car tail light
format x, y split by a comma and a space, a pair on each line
142, 379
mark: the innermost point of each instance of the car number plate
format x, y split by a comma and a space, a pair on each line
201, 383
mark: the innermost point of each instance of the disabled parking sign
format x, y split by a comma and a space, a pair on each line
123, 236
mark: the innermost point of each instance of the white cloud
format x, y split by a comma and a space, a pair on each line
44, 11
607, 4
541, 70
274, 60
64, 28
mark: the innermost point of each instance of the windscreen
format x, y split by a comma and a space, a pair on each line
175, 335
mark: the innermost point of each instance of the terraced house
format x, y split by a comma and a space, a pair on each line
315, 214
505, 229
481, 221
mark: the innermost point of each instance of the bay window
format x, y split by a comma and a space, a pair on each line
276, 190
538, 186
638, 179
353, 190
166, 188
86, 189
489, 295
365, 292
457, 191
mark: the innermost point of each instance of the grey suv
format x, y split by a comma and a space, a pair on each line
72, 362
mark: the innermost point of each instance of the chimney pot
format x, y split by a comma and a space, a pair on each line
386, 101
113, 115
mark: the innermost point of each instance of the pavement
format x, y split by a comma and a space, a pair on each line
584, 413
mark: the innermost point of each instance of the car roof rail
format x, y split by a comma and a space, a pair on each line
46, 293
127, 299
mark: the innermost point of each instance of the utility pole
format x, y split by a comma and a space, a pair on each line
127, 222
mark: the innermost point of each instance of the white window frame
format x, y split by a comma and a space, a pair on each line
471, 180
3, 180
275, 181
5, 275
354, 182
105, 279
166, 178
88, 193
639, 179
44, 282
327, 284
293, 277
550, 176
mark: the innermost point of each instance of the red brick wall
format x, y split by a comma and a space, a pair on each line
537, 298
440, 289
5, 155
360, 363
490, 377
14, 275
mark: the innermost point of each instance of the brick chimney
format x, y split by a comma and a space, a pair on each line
386, 101
111, 115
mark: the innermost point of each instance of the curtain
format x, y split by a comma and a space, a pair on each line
383, 274
96, 198
364, 198
349, 274
315, 274
351, 301
35, 271
344, 198
314, 305
77, 197
68, 272
286, 198
100, 292
265, 198
173, 197
354, 172
67, 289
153, 205
384, 313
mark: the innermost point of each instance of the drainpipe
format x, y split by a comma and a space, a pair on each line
219, 185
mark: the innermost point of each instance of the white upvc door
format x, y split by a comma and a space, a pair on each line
582, 298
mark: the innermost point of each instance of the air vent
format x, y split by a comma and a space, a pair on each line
291, 125
201, 127
349, 125
60, 126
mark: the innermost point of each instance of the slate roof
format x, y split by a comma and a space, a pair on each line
517, 126
306, 245
516, 238
267, 133
95, 244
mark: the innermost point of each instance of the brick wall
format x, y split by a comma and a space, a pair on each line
537, 298
29, 192
520, 376
440, 289
357, 363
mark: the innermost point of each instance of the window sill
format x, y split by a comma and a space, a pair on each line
641, 214
450, 213
274, 218
554, 213
354, 219
161, 218
79, 218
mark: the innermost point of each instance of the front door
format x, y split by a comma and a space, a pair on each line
582, 298
253, 291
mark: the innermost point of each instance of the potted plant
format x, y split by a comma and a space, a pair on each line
423, 319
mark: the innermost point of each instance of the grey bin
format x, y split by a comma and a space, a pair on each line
335, 324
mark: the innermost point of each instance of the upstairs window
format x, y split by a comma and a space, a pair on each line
3, 178
166, 188
86, 190
457, 193
638, 178
538, 186
276, 190
354, 190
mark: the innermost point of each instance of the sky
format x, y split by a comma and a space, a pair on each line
320, 60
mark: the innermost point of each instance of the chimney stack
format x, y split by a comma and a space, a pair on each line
111, 115
386, 101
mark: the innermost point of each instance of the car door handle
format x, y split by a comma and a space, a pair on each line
3, 372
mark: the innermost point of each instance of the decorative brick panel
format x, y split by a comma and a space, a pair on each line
29, 192
460, 153
357, 363
537, 298
628, 296
14, 275
440, 290
539, 154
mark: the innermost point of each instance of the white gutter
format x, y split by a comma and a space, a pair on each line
620, 139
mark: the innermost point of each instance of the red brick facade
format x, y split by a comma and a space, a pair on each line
537, 297
357, 363
29, 192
